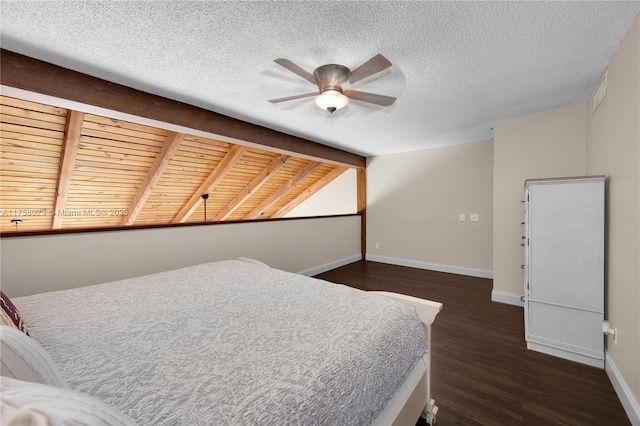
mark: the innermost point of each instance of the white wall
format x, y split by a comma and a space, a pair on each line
613, 149
338, 197
37, 264
413, 205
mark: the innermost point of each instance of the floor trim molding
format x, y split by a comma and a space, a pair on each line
629, 403
330, 265
505, 297
460, 270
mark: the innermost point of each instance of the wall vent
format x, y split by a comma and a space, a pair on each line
599, 94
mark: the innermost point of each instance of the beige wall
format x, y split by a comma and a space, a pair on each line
338, 197
414, 201
544, 145
613, 149
44, 263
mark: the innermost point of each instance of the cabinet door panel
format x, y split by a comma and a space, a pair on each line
568, 329
566, 244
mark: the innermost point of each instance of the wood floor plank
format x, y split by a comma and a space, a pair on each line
483, 373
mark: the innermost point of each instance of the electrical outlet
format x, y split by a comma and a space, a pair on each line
610, 331
474, 217
377, 246
463, 217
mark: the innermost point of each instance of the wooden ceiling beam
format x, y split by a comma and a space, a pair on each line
33, 75
230, 159
304, 195
70, 144
170, 146
299, 177
252, 187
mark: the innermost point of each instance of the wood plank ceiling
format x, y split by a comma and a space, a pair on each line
64, 169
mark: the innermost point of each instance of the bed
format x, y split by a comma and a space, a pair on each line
238, 343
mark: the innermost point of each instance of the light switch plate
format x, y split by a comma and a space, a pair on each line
474, 217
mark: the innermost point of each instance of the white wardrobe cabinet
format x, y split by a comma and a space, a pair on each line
564, 267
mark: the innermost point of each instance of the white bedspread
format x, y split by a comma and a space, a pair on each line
229, 343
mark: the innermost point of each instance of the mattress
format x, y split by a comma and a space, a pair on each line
230, 343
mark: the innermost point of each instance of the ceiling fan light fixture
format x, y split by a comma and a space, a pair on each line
331, 100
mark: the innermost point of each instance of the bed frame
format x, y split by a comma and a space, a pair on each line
413, 399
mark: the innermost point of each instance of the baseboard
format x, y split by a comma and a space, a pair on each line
331, 265
508, 298
629, 403
460, 270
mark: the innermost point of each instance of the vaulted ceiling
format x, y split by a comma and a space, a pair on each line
66, 169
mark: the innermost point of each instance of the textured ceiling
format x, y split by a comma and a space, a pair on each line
457, 66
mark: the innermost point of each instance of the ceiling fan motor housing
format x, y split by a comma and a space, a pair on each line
331, 77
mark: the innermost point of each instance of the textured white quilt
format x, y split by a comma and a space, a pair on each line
229, 343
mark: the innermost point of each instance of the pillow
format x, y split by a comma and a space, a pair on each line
23, 358
9, 314
26, 403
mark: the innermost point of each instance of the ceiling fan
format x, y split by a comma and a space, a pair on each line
329, 78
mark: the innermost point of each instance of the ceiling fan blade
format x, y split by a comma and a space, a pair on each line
372, 66
295, 69
371, 98
290, 98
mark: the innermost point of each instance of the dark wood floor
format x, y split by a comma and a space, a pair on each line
482, 372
